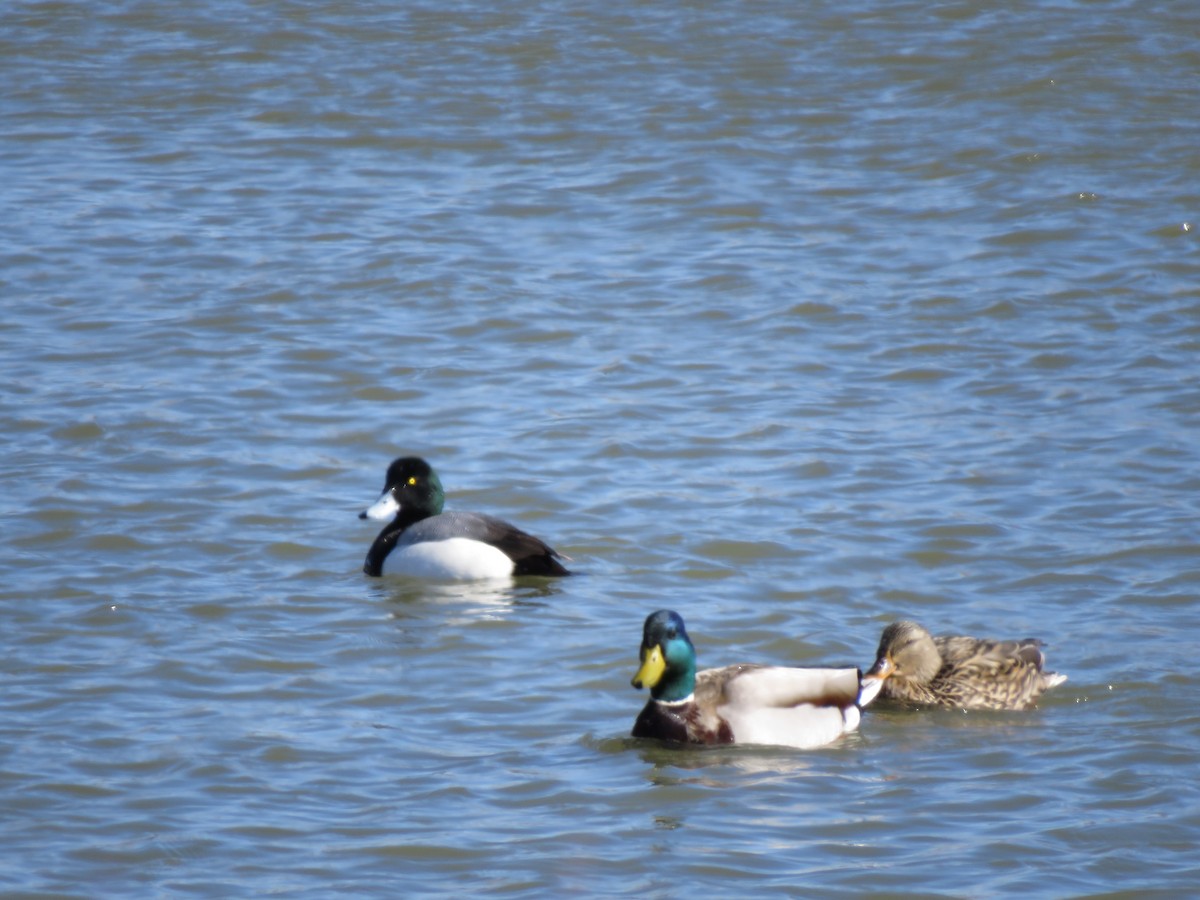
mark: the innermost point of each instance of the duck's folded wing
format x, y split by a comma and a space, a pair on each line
470, 525
531, 555
959, 651
1023, 655
780, 686
793, 707
991, 659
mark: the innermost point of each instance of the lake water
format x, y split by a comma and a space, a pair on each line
794, 317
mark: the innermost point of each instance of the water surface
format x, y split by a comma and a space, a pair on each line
794, 318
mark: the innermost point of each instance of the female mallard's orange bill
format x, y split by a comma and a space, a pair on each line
882, 669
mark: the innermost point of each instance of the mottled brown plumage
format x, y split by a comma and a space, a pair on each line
958, 671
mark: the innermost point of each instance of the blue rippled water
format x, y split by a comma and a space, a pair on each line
794, 318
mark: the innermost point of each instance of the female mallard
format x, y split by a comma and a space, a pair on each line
961, 672
740, 704
424, 541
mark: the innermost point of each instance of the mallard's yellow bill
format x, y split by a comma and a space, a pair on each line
653, 666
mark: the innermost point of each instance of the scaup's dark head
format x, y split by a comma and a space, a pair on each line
412, 490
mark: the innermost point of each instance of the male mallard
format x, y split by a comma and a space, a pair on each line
426, 542
961, 672
740, 704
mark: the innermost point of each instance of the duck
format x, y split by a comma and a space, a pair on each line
918, 669
740, 704
422, 541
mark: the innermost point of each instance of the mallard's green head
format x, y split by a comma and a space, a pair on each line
412, 491
668, 657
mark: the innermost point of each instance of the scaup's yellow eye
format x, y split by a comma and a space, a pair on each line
412, 479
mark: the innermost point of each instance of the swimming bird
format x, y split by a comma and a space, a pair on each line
744, 704
961, 672
423, 541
